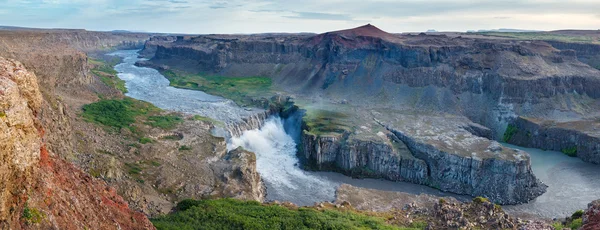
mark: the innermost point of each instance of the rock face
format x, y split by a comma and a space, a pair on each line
579, 138
41, 191
591, 217
434, 151
363, 158
453, 75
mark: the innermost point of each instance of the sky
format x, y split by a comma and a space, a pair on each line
259, 16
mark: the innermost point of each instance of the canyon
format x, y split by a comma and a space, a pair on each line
443, 103
465, 90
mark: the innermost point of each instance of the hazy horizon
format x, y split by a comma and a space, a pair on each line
272, 16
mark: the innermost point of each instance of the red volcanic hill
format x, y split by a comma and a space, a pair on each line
354, 37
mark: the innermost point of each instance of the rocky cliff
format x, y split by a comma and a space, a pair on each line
41, 190
579, 138
433, 72
439, 152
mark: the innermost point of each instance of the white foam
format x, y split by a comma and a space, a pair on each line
278, 165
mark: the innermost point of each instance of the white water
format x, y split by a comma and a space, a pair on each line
278, 165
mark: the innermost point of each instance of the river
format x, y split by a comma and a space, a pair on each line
572, 183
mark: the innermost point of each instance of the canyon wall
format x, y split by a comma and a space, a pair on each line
41, 191
576, 138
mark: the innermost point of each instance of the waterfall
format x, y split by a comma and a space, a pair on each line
278, 165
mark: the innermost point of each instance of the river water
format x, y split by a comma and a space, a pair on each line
572, 183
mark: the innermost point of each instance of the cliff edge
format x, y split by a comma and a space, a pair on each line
42, 191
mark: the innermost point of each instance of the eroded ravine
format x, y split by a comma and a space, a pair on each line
572, 183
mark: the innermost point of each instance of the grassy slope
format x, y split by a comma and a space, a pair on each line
238, 89
235, 214
104, 70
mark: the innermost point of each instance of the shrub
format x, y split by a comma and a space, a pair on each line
577, 214
185, 148
32, 215
572, 151
133, 168
511, 130
146, 140
576, 223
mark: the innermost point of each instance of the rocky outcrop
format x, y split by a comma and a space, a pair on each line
591, 217
363, 158
41, 191
586, 53
434, 151
433, 211
577, 138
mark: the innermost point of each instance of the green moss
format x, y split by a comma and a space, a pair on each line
164, 122
32, 215
511, 130
320, 122
480, 200
238, 89
146, 140
236, 214
572, 151
185, 148
2, 114
208, 119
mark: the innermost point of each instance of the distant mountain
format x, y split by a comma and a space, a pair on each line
503, 30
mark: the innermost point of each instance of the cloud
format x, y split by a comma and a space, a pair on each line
320, 16
502, 17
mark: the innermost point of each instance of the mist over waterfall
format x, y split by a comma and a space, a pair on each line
279, 167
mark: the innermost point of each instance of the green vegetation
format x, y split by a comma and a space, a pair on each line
544, 36
185, 148
171, 137
511, 130
133, 168
480, 199
236, 214
146, 140
164, 122
2, 114
577, 214
104, 70
321, 122
117, 113
558, 225
238, 89
576, 223
32, 215
208, 119
572, 151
